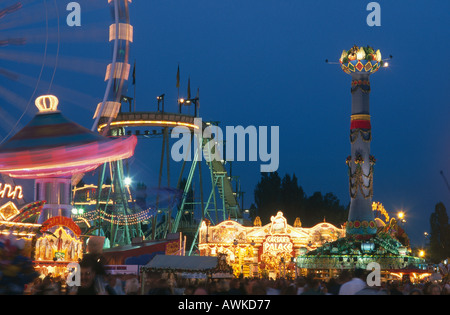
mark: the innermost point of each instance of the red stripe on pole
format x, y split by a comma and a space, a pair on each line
360, 124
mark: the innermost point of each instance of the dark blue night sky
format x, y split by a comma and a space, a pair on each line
262, 63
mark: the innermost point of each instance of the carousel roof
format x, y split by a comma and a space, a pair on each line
51, 145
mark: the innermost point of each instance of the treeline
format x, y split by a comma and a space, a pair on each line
439, 241
273, 193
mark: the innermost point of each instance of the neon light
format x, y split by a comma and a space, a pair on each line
19, 229
61, 221
47, 103
277, 244
148, 122
65, 161
8, 210
28, 211
12, 193
125, 32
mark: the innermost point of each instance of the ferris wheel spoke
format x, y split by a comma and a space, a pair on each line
7, 121
11, 9
13, 98
29, 15
75, 64
9, 75
12, 42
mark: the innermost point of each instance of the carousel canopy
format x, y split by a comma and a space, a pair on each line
53, 146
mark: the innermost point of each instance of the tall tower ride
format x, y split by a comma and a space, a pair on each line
360, 63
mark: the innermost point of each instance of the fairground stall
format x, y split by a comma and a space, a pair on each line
268, 250
185, 268
18, 223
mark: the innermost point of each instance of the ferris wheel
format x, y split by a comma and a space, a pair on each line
27, 58
39, 48
89, 66
35, 38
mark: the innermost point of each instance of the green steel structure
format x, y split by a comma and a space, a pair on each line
222, 192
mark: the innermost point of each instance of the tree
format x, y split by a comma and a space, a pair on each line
440, 234
274, 194
253, 212
267, 195
292, 198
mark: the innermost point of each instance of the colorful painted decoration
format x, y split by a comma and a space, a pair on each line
361, 59
58, 246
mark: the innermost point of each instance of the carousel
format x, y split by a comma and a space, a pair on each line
52, 150
264, 251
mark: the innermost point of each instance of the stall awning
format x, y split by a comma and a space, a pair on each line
139, 254
182, 262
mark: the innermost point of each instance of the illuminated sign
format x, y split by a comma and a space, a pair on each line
7, 191
279, 224
8, 211
61, 221
275, 244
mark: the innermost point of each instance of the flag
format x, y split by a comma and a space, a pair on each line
178, 77
198, 97
197, 105
134, 73
189, 88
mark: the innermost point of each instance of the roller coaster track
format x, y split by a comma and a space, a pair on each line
219, 175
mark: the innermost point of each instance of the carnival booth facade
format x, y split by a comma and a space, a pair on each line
268, 250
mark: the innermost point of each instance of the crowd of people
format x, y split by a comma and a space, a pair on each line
346, 284
95, 281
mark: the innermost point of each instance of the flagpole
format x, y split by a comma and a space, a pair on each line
178, 87
134, 83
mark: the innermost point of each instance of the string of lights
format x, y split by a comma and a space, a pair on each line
121, 219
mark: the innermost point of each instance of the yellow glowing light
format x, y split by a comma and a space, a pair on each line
148, 122
421, 253
120, 69
12, 193
378, 54
60, 242
47, 103
401, 215
361, 54
343, 55
386, 64
19, 229
125, 32
111, 109
378, 206
8, 210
